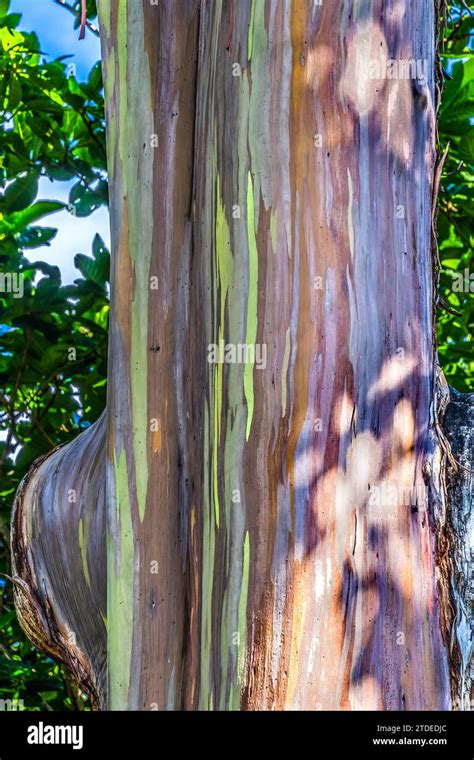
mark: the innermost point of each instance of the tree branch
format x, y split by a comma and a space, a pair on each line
71, 9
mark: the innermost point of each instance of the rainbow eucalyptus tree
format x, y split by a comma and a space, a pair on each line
269, 515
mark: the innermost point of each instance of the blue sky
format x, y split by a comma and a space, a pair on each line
55, 29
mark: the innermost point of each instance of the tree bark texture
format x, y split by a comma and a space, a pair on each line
277, 533
459, 428
58, 558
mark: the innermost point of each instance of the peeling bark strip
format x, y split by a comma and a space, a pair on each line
459, 428
82, 32
58, 558
288, 204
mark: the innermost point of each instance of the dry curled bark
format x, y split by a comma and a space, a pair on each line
458, 425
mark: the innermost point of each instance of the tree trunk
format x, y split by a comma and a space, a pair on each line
278, 530
58, 558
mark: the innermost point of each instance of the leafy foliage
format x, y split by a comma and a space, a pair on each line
456, 208
53, 339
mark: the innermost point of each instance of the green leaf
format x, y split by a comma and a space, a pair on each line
95, 76
12, 20
18, 220
60, 173
21, 193
34, 237
6, 619
14, 93
83, 200
94, 269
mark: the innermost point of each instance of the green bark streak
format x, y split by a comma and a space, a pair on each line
112, 124
250, 36
208, 553
217, 396
83, 549
243, 605
136, 155
120, 592
104, 11
223, 255
251, 303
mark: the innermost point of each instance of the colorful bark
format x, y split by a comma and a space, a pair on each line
287, 204
59, 558
150, 68
342, 607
